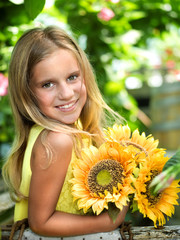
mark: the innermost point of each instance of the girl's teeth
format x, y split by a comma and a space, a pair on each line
67, 106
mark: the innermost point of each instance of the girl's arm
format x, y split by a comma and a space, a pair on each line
45, 188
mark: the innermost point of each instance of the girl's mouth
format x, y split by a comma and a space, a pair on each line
67, 107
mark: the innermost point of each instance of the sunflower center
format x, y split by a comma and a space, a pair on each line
151, 198
105, 175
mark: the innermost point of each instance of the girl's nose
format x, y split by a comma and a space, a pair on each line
65, 91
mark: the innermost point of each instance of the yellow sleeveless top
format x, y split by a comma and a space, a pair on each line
65, 202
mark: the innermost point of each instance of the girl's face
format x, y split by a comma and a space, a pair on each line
59, 87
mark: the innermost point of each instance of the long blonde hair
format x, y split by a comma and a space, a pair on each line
34, 46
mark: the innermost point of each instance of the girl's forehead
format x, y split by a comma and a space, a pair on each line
61, 52
62, 55
59, 61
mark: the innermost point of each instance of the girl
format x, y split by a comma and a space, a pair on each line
57, 109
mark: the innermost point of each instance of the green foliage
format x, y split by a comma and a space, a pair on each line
173, 165
6, 121
171, 172
6, 128
173, 161
34, 7
113, 211
12, 15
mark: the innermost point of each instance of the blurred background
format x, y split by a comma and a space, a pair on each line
134, 47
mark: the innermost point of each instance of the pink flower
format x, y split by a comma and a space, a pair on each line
170, 64
106, 14
177, 74
3, 85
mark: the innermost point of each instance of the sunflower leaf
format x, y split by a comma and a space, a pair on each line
113, 211
175, 159
134, 206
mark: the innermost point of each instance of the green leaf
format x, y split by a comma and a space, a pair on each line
113, 211
175, 159
177, 176
134, 206
34, 7
112, 88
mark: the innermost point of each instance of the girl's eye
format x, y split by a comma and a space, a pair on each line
71, 78
48, 85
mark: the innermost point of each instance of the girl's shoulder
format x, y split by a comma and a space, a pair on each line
59, 140
51, 145
54, 139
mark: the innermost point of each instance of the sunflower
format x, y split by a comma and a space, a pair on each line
102, 175
132, 141
154, 207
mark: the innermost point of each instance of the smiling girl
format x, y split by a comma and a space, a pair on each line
57, 109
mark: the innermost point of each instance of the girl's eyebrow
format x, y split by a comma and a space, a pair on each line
75, 72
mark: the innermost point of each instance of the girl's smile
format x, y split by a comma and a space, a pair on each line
67, 107
58, 85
